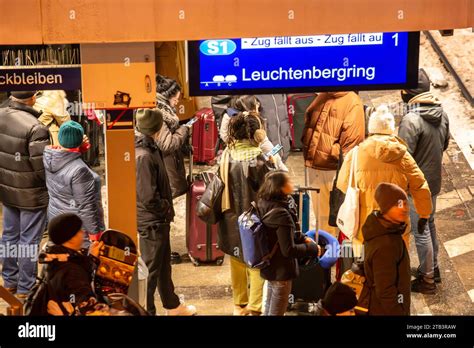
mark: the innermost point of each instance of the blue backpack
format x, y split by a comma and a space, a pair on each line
253, 235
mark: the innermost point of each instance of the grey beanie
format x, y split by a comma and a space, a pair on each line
149, 121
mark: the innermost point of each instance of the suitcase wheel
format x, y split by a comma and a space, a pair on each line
220, 261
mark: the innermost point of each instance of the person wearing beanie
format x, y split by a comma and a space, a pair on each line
72, 186
339, 298
386, 258
68, 268
425, 130
174, 139
23, 192
155, 212
383, 157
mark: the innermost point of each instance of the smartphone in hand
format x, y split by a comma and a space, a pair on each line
192, 121
274, 151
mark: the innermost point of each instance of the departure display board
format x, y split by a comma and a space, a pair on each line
292, 64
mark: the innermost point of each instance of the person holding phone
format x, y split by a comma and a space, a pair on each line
174, 139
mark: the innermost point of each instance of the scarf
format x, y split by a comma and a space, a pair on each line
240, 151
169, 113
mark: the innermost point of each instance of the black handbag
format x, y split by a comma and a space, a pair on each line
336, 196
209, 206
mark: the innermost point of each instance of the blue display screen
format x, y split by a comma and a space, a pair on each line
303, 63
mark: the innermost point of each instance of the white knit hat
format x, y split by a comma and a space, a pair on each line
382, 121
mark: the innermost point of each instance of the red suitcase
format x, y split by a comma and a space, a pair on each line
204, 137
201, 238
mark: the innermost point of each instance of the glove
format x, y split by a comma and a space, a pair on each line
421, 225
313, 249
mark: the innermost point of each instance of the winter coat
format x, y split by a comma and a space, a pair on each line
154, 197
72, 278
333, 121
73, 188
244, 181
274, 112
173, 143
384, 158
53, 105
386, 267
22, 141
282, 228
266, 145
425, 129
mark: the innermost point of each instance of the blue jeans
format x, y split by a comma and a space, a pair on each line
427, 245
277, 297
22, 233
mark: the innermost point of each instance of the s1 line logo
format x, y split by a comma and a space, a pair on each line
218, 47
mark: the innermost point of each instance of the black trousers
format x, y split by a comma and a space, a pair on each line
156, 252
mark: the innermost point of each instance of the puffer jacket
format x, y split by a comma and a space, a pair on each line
173, 143
386, 290
384, 158
274, 112
22, 141
244, 181
73, 188
154, 198
333, 121
283, 228
425, 129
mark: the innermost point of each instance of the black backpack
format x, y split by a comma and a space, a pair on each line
36, 303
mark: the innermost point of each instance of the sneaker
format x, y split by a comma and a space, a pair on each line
182, 310
240, 311
415, 272
437, 275
11, 290
422, 286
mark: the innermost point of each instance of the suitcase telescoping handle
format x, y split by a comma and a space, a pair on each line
191, 150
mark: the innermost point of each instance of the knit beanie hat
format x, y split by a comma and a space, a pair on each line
22, 94
388, 195
381, 121
63, 227
70, 135
424, 85
339, 298
149, 121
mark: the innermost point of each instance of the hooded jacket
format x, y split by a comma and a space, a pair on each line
173, 143
154, 198
283, 228
334, 121
73, 188
386, 290
71, 279
22, 141
425, 129
384, 158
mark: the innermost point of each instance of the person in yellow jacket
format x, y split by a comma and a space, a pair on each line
383, 157
53, 105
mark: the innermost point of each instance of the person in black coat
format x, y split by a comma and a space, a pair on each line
274, 199
69, 268
155, 212
386, 290
23, 190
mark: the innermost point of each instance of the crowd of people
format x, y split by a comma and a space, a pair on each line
44, 179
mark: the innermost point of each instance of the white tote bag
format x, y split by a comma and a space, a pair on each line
348, 216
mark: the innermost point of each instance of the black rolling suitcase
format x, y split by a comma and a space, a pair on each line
313, 280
